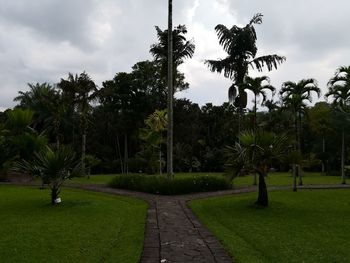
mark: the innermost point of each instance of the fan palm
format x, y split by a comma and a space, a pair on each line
339, 89
53, 167
255, 153
294, 95
240, 45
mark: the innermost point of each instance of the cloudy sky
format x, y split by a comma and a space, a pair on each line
43, 40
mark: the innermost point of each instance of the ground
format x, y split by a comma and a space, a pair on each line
307, 226
85, 227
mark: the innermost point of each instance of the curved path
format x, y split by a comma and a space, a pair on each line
174, 234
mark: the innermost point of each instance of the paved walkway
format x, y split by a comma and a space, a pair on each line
174, 234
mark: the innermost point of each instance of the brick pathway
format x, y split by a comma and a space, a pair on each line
173, 233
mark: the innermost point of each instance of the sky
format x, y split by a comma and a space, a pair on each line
44, 40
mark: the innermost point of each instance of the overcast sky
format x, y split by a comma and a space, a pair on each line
43, 40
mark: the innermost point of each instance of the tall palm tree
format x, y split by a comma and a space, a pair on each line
339, 89
81, 90
240, 45
171, 51
294, 95
170, 136
255, 85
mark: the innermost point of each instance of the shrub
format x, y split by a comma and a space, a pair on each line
162, 185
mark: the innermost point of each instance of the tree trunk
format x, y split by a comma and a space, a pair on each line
255, 176
294, 169
54, 194
323, 153
160, 160
170, 172
263, 199
126, 154
299, 148
343, 179
83, 148
119, 154
294, 178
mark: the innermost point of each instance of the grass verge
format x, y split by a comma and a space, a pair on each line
307, 226
85, 227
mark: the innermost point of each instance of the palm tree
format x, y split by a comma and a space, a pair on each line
48, 106
255, 153
255, 85
294, 95
170, 136
170, 52
156, 124
53, 167
81, 90
240, 45
339, 89
319, 118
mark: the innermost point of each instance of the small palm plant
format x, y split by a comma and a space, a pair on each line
53, 166
255, 153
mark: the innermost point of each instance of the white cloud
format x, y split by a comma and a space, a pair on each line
43, 40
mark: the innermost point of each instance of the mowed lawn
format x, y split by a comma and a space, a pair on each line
284, 179
307, 226
85, 227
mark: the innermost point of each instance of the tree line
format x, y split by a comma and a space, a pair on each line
120, 127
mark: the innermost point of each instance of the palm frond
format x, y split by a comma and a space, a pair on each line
270, 61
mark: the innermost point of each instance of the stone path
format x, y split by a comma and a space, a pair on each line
174, 234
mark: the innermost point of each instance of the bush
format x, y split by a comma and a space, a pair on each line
161, 185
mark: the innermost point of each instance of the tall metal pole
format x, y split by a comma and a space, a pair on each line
170, 93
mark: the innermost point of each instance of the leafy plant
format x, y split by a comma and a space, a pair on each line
53, 166
255, 153
165, 186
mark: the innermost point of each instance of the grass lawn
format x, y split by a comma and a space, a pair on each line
307, 226
85, 227
287, 179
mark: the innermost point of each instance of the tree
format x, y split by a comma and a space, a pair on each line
339, 89
81, 90
255, 153
240, 45
255, 85
170, 52
156, 124
294, 95
53, 166
319, 119
48, 106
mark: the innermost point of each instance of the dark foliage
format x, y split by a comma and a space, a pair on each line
164, 186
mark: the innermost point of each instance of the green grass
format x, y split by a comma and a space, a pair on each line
307, 226
284, 179
85, 227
